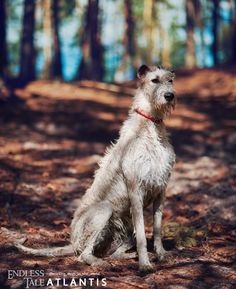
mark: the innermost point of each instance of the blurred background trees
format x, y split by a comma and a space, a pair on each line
106, 40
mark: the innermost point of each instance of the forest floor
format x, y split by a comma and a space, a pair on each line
51, 137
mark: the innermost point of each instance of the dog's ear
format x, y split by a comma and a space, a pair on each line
142, 71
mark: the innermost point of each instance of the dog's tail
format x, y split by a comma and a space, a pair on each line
50, 252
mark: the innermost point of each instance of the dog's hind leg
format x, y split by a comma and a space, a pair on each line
99, 216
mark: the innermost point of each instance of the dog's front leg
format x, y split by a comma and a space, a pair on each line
138, 219
157, 219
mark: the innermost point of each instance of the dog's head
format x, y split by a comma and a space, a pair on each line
157, 85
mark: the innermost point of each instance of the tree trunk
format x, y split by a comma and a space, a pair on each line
215, 20
128, 62
190, 60
129, 30
27, 54
90, 42
203, 45
57, 63
199, 22
233, 29
149, 29
3, 49
165, 51
47, 49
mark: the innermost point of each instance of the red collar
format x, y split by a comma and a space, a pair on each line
153, 119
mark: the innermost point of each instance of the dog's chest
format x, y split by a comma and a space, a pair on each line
150, 158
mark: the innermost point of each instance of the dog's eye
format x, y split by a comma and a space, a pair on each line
170, 80
155, 80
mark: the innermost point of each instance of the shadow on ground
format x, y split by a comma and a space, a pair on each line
53, 134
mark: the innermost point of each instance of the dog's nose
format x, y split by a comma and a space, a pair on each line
169, 96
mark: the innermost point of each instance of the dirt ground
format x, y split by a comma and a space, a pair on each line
51, 136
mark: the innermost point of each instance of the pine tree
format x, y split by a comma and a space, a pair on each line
215, 24
190, 60
57, 62
3, 49
47, 29
27, 54
91, 66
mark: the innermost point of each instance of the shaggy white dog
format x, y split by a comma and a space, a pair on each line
132, 175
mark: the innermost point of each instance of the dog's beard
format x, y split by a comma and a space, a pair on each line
164, 110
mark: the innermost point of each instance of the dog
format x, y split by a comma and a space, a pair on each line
132, 175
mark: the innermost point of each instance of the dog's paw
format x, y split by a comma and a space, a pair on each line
163, 255
146, 268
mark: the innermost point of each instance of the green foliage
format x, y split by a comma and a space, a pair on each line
184, 236
177, 52
67, 8
225, 40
